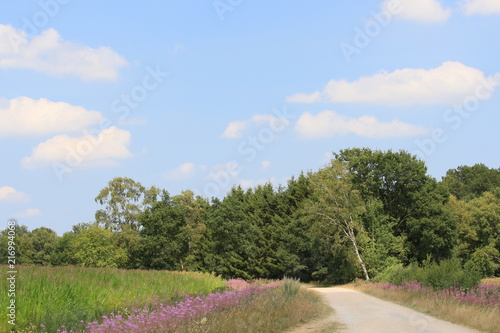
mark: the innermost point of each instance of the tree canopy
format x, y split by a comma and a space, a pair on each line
360, 215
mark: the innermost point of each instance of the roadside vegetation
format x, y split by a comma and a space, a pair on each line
446, 291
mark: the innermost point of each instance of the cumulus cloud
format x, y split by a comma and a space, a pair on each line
450, 83
329, 123
24, 116
484, 7
423, 11
87, 151
30, 212
183, 171
50, 54
235, 129
9, 194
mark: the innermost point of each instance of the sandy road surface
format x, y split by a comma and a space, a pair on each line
361, 313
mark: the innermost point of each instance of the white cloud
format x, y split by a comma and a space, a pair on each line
484, 7
224, 171
50, 54
183, 171
9, 194
424, 11
265, 165
329, 123
235, 129
30, 212
25, 116
87, 151
450, 83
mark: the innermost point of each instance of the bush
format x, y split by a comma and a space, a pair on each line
396, 274
447, 274
482, 261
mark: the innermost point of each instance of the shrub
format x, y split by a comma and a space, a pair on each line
447, 274
482, 261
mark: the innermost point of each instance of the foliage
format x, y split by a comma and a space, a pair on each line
165, 241
124, 200
96, 247
359, 216
336, 207
447, 274
467, 182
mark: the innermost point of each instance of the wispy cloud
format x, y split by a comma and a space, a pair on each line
50, 54
423, 11
484, 7
30, 212
9, 194
450, 83
181, 172
329, 123
265, 165
236, 129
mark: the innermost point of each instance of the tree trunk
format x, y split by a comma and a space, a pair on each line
355, 244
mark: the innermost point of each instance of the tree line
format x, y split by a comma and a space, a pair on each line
363, 213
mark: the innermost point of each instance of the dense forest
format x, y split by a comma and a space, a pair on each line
363, 213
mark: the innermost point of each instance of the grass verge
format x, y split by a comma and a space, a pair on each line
480, 317
283, 307
273, 307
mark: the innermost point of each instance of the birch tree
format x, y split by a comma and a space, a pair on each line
337, 206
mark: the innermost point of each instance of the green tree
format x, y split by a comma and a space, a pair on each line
124, 200
194, 210
295, 249
96, 247
467, 182
413, 204
387, 176
43, 241
63, 252
430, 228
232, 237
165, 242
337, 207
478, 222
23, 244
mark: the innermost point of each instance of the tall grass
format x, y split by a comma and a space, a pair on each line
248, 308
55, 296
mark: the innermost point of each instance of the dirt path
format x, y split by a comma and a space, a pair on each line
361, 313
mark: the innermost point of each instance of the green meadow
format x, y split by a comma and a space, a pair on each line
55, 296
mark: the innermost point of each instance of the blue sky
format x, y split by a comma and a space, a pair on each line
203, 95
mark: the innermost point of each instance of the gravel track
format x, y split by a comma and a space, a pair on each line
361, 313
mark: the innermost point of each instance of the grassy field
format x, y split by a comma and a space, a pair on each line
481, 317
49, 297
55, 296
252, 308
